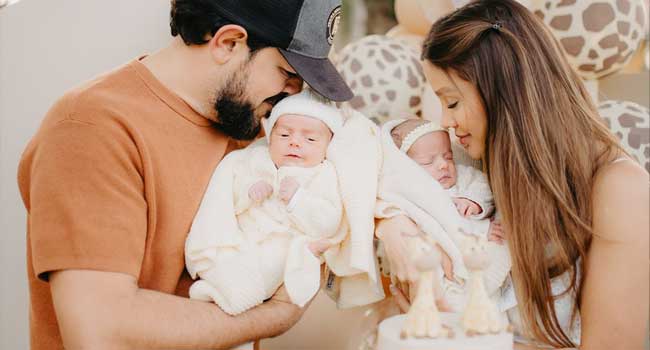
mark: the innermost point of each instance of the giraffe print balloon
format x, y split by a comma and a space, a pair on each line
385, 75
630, 122
598, 36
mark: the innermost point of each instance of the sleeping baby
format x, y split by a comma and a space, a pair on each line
447, 201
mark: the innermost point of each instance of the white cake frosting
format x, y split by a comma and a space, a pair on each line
388, 337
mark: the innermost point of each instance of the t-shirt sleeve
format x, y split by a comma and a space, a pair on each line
87, 207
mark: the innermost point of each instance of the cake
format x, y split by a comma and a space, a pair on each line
388, 337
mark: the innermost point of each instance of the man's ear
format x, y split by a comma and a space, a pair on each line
228, 42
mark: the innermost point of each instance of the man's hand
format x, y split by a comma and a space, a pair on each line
289, 313
466, 207
288, 187
260, 191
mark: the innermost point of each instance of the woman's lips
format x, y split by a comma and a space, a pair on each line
463, 139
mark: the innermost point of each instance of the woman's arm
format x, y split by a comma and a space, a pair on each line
614, 299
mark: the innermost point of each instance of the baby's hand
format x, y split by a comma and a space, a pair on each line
319, 247
466, 207
288, 187
495, 232
260, 191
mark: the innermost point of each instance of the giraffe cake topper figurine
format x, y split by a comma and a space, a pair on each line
478, 326
481, 315
423, 318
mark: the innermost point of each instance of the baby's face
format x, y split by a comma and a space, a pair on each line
299, 141
433, 152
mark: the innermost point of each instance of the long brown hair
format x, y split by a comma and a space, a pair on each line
544, 143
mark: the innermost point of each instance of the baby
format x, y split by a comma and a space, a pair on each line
287, 208
411, 146
430, 147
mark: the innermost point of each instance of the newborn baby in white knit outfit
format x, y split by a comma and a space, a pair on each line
430, 147
288, 210
422, 145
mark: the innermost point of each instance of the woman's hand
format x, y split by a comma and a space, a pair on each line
393, 232
495, 232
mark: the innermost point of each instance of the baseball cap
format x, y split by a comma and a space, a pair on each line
303, 31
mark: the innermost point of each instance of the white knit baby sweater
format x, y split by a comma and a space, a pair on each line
215, 238
269, 245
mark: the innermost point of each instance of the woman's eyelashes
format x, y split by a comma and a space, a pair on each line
452, 105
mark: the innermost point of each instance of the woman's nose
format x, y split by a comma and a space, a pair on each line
447, 121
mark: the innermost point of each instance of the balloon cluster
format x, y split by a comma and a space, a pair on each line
599, 38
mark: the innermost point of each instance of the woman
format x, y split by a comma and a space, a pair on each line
574, 205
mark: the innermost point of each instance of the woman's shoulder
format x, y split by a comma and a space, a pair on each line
621, 177
621, 201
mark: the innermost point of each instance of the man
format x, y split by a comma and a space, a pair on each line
116, 172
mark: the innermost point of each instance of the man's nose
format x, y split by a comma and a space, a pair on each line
293, 85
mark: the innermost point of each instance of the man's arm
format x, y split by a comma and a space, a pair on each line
107, 310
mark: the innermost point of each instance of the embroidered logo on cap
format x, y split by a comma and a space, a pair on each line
333, 24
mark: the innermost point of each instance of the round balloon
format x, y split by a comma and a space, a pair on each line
598, 36
526, 3
401, 33
385, 76
417, 16
630, 122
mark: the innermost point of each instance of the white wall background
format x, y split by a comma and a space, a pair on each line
47, 47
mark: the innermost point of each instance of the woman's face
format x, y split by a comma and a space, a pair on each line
462, 108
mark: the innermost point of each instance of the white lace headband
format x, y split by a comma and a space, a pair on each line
418, 132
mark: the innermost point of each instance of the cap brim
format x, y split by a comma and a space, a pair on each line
320, 74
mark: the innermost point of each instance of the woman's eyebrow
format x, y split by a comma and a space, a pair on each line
444, 90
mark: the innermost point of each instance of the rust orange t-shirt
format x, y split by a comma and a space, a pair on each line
111, 182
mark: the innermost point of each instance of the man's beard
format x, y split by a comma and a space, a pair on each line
236, 116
